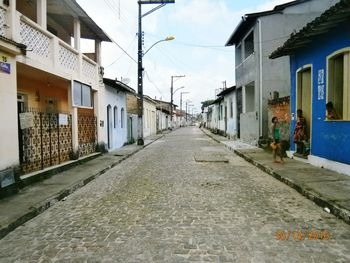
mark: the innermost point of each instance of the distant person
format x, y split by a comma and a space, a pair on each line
276, 145
331, 112
300, 132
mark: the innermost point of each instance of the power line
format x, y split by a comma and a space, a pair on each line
122, 53
124, 50
153, 84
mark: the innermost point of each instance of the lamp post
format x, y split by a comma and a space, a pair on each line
171, 96
140, 54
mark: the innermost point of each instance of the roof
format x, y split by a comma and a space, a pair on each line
332, 17
118, 85
149, 99
226, 91
217, 100
248, 20
63, 12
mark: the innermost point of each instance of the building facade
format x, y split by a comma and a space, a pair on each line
320, 70
49, 87
257, 77
115, 132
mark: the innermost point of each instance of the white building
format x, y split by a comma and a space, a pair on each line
49, 89
228, 112
114, 116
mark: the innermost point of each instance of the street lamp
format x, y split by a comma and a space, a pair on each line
172, 94
169, 38
140, 54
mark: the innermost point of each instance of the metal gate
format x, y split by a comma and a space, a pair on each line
87, 133
47, 142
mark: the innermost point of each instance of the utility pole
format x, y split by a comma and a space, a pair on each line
140, 81
161, 3
184, 92
171, 97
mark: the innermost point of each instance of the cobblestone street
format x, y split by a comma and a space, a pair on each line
185, 198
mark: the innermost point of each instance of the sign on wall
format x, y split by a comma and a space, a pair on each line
4, 66
26, 120
320, 86
63, 119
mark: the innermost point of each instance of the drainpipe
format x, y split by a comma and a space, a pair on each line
260, 80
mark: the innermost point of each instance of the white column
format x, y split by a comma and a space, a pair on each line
41, 11
77, 34
74, 113
13, 29
77, 46
98, 52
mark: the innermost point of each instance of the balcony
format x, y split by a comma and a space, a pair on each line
50, 51
246, 72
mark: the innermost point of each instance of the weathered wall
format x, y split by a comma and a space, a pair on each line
280, 108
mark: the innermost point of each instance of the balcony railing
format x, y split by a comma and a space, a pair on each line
2, 22
45, 48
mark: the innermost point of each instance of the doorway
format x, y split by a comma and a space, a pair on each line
304, 99
239, 111
109, 126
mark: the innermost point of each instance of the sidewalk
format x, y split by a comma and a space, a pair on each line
36, 198
328, 189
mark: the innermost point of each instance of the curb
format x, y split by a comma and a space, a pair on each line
38, 209
339, 212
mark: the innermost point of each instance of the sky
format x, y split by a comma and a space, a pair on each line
200, 27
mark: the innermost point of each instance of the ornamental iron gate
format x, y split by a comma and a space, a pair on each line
87, 133
47, 142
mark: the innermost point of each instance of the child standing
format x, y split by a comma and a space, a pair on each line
276, 140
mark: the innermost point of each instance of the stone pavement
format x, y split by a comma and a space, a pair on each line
328, 189
163, 206
37, 197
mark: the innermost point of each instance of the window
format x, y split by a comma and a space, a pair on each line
249, 45
82, 95
231, 108
115, 116
122, 117
338, 91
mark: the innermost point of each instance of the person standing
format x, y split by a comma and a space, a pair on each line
277, 148
300, 132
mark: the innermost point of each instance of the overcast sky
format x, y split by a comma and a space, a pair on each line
201, 29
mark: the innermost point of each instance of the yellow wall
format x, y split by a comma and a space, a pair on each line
39, 94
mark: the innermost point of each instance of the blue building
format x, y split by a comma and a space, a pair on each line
320, 73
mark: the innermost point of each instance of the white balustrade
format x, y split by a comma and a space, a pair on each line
45, 48
68, 59
89, 69
2, 22
37, 42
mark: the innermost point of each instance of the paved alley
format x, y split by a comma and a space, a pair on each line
185, 198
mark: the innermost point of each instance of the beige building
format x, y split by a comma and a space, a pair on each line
149, 114
49, 89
